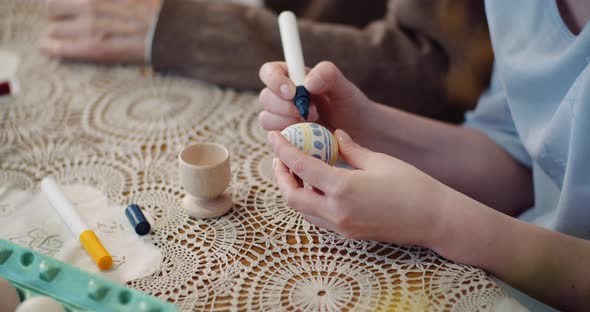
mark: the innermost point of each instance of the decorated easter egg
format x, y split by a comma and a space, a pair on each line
40, 303
8, 296
313, 140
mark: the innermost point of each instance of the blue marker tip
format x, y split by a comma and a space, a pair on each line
301, 100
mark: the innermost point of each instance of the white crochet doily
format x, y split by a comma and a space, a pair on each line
119, 129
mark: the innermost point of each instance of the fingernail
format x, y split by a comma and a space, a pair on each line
270, 137
287, 91
342, 136
274, 163
314, 83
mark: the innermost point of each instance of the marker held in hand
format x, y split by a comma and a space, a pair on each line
294, 58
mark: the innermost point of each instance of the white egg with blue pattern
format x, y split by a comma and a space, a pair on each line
313, 140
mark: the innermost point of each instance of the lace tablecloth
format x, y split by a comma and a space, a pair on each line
119, 129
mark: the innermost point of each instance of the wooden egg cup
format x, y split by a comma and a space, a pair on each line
205, 175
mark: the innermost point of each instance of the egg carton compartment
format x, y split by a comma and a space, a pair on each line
35, 274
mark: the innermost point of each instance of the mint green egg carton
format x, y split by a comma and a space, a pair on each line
34, 274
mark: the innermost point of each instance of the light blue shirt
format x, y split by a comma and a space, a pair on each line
538, 108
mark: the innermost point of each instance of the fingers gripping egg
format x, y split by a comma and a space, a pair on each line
314, 140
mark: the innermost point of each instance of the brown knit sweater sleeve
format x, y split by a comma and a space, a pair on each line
428, 57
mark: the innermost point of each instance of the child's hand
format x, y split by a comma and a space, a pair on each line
336, 102
384, 199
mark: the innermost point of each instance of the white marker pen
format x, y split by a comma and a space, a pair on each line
294, 58
72, 219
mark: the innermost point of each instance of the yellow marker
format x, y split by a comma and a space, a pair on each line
96, 250
66, 211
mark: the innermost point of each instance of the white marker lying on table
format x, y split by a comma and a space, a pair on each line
66, 211
294, 58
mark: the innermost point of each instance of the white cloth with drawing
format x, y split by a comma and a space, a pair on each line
29, 220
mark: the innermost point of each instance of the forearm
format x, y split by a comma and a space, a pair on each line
461, 158
384, 63
233, 41
414, 58
547, 265
218, 42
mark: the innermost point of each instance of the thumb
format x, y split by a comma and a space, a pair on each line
354, 154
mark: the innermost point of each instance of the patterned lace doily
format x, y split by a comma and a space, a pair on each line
119, 129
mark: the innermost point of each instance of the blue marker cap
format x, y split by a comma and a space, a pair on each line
137, 219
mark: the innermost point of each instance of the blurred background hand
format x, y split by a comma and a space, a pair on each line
107, 31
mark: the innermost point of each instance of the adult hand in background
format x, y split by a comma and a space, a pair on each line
336, 102
106, 31
382, 199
